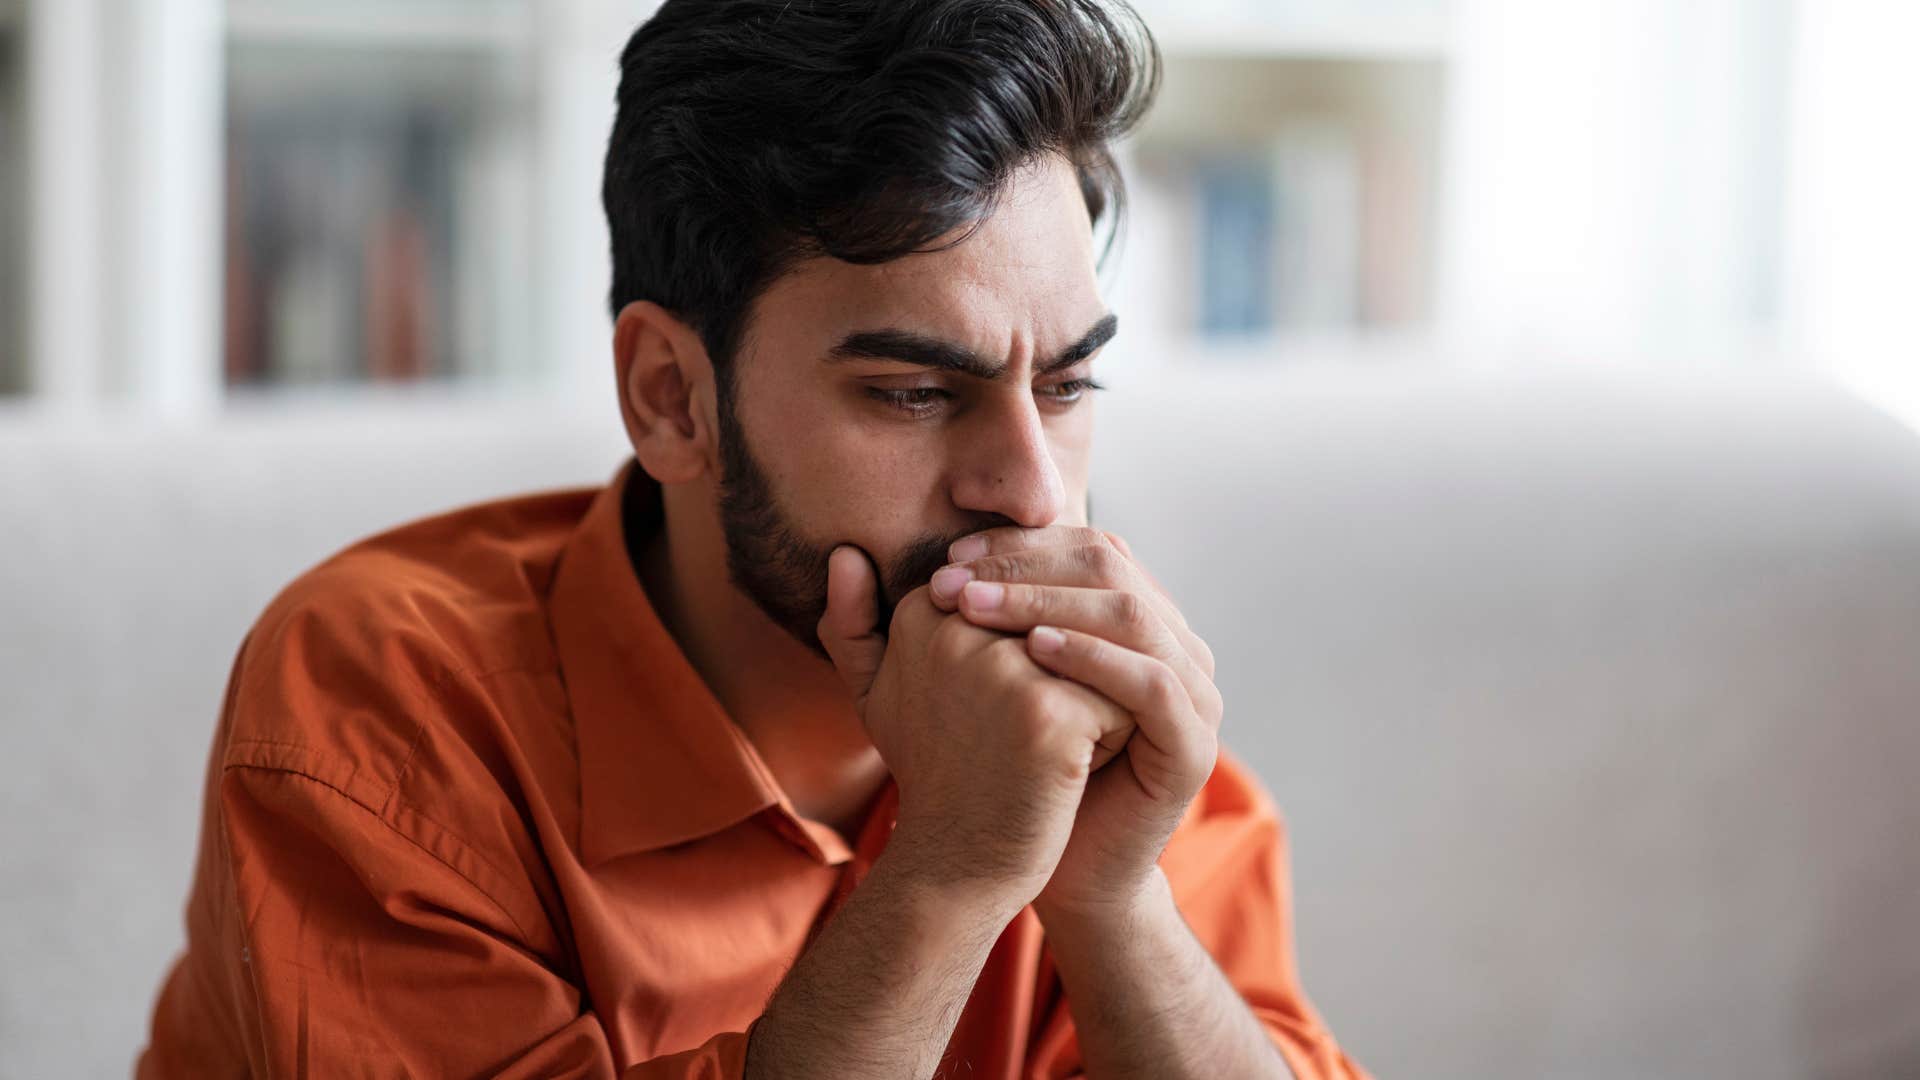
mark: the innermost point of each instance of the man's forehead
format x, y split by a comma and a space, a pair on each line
990, 305
1038, 237
974, 302
1022, 280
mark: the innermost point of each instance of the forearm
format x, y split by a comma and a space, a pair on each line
1148, 1001
880, 990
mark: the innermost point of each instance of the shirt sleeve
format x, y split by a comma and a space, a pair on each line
1227, 866
360, 951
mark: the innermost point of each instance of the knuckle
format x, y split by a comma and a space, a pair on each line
1165, 686
1032, 601
950, 638
1213, 705
1005, 665
1032, 705
1204, 655
1105, 564
901, 626
1009, 657
1206, 754
915, 605
1130, 609
1001, 568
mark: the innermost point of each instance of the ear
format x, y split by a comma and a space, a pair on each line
666, 393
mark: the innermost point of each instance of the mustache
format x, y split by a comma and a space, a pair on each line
916, 563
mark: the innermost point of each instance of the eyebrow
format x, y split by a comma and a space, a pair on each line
908, 347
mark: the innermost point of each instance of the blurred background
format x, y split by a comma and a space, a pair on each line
212, 202
1525, 390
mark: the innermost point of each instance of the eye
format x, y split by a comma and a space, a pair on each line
1070, 392
914, 401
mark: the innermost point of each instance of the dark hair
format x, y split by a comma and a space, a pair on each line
752, 134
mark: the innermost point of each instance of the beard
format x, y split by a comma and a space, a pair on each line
784, 571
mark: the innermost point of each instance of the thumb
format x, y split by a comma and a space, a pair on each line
849, 630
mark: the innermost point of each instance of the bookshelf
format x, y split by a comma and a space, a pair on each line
351, 197
338, 198
378, 192
1286, 187
422, 26
13, 206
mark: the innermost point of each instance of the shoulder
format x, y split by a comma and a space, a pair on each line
396, 638
412, 673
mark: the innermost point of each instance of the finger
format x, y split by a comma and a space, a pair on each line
1098, 565
1085, 565
1127, 619
1115, 724
1171, 748
1196, 647
1126, 549
1014, 538
850, 630
1011, 539
1105, 723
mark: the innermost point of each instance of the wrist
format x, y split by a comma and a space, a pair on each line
934, 885
1121, 910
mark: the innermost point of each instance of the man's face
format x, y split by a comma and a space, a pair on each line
901, 406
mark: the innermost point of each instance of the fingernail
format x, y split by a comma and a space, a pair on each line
968, 549
1046, 639
948, 581
985, 595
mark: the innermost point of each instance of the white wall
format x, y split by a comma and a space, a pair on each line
1854, 224
1614, 189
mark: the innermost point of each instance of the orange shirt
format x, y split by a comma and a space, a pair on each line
471, 812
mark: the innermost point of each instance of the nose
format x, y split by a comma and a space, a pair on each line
1007, 467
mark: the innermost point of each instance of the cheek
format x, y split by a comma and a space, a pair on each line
843, 475
894, 487
1070, 439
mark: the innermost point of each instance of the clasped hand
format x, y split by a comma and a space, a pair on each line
1090, 613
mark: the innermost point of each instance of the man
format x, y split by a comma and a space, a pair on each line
709, 773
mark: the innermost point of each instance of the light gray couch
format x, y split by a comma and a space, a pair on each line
1593, 701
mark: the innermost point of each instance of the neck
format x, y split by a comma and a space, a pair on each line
790, 703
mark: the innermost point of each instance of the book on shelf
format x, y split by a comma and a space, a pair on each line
1316, 230
1275, 233
339, 254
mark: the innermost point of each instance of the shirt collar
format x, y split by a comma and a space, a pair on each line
661, 763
